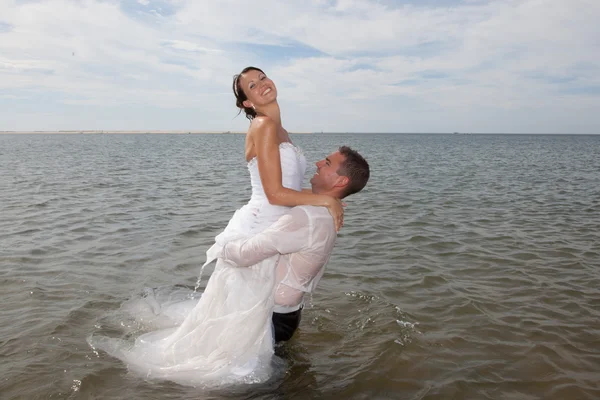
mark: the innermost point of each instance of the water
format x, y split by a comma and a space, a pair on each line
468, 267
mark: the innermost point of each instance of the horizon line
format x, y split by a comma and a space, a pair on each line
193, 131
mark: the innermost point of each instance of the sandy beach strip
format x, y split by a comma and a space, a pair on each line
140, 132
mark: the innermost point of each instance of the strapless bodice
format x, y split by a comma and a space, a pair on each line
258, 213
293, 166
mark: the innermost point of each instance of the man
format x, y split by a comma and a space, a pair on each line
304, 238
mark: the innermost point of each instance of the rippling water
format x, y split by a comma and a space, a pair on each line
468, 268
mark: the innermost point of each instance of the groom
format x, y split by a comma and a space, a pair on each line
304, 238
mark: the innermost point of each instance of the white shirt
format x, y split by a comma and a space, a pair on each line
304, 238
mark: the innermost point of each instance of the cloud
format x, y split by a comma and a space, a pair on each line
350, 65
188, 46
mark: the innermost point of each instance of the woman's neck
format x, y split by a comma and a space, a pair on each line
272, 111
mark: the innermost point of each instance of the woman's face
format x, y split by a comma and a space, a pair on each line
259, 89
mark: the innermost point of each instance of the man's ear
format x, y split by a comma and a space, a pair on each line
342, 181
247, 103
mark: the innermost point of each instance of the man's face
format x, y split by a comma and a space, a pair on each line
326, 176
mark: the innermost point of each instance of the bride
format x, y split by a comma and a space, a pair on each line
226, 335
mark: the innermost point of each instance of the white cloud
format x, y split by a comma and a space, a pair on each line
474, 66
189, 46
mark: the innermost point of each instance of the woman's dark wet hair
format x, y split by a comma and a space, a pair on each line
240, 96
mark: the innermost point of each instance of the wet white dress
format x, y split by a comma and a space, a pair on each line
227, 336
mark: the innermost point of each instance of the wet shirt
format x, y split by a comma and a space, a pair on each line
304, 239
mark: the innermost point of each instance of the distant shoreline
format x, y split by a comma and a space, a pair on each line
197, 132
139, 132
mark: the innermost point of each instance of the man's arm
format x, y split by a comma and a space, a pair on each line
289, 234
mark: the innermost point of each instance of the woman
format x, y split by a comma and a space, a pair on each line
227, 336
256, 94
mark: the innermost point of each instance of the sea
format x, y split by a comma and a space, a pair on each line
468, 268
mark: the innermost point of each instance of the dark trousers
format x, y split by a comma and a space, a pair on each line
285, 325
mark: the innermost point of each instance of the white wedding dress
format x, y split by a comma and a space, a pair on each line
225, 336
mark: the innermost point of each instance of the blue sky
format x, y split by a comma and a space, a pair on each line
514, 66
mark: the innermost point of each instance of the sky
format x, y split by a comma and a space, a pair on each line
501, 66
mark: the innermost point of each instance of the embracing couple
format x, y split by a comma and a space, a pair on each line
271, 253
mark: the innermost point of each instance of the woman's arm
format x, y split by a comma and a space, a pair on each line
266, 144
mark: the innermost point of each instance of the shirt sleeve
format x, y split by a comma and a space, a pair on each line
289, 234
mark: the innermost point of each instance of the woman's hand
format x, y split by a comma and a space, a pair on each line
336, 209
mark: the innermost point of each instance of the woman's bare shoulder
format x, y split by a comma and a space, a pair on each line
262, 122
263, 127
